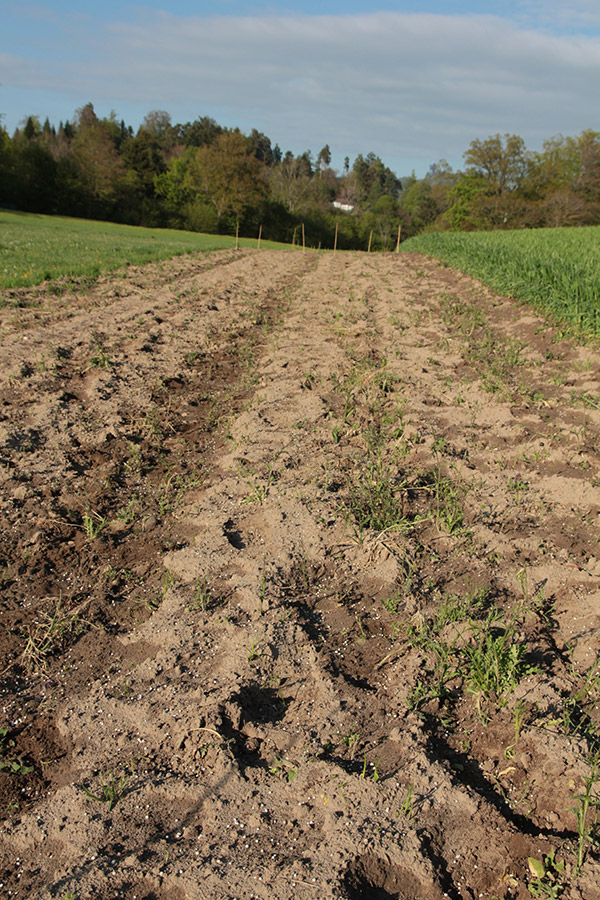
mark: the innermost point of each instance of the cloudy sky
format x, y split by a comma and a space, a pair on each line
410, 81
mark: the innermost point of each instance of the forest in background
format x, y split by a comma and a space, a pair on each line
201, 176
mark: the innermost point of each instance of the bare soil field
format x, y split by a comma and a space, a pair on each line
300, 586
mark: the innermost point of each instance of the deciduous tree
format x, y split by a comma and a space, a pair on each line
502, 161
97, 162
229, 174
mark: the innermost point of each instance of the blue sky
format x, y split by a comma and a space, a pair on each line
412, 82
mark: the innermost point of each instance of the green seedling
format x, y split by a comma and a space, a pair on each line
495, 661
167, 580
275, 684
14, 765
546, 877
254, 652
362, 633
173, 489
111, 790
202, 595
448, 510
439, 445
443, 671
523, 581
349, 407
586, 811
134, 464
453, 609
591, 682
517, 486
509, 751
408, 806
50, 635
99, 358
351, 739
283, 769
375, 775
487, 655
376, 498
128, 513
258, 493
393, 604
93, 525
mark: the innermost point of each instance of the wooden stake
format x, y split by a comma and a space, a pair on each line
259, 236
294, 236
370, 239
398, 241
335, 238
303, 240
237, 235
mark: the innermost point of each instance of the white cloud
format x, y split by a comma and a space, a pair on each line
410, 87
578, 15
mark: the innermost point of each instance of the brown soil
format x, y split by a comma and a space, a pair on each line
271, 524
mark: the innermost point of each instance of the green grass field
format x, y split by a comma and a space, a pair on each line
38, 248
557, 270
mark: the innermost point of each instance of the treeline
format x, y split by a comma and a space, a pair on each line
201, 176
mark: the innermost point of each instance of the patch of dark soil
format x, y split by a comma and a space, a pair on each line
371, 878
32, 757
233, 535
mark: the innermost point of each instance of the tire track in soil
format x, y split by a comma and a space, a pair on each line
266, 714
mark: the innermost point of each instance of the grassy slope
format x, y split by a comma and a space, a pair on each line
554, 269
36, 248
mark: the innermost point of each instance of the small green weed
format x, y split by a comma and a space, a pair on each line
203, 596
518, 720
362, 634
112, 789
258, 492
50, 635
408, 806
351, 739
517, 486
488, 656
93, 524
134, 464
586, 811
255, 652
10, 763
375, 773
128, 513
376, 498
99, 358
167, 580
452, 609
173, 488
393, 603
448, 510
283, 769
495, 660
546, 877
